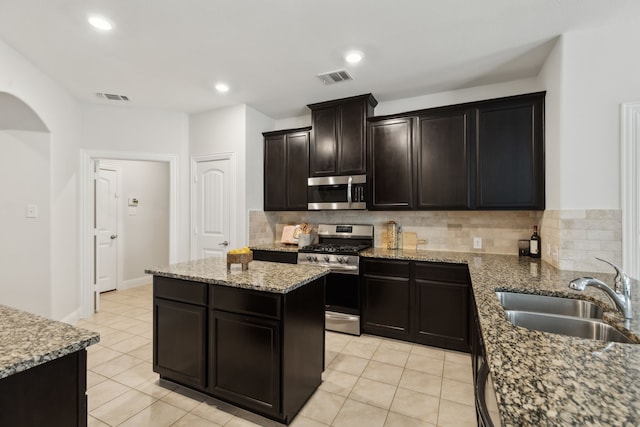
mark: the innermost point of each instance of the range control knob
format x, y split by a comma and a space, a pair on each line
308, 257
326, 258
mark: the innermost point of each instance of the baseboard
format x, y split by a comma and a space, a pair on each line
72, 318
138, 281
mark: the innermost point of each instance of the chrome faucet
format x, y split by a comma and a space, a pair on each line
621, 296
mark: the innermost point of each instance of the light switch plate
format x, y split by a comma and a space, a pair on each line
32, 211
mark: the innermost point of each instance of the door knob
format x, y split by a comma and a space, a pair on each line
225, 243
114, 236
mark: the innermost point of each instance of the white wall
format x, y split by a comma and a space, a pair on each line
293, 122
25, 244
144, 230
146, 132
498, 90
256, 123
223, 131
601, 70
71, 127
552, 78
59, 111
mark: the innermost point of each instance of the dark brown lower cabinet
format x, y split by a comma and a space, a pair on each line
262, 351
245, 360
386, 296
51, 394
426, 303
179, 342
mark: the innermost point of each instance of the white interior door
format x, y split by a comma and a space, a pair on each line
106, 229
212, 190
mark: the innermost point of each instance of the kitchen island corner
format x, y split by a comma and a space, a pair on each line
253, 338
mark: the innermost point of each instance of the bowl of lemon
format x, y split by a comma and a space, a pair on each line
239, 256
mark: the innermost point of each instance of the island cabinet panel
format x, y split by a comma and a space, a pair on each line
422, 302
245, 360
51, 394
286, 169
510, 154
263, 351
179, 337
391, 164
246, 301
338, 136
443, 142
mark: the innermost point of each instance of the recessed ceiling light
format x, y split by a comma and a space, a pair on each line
354, 56
100, 23
222, 87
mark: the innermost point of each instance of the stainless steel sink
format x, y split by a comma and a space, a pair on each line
566, 325
550, 305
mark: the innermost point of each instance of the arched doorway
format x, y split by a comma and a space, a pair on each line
25, 207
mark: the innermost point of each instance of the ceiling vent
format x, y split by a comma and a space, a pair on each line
335, 77
112, 97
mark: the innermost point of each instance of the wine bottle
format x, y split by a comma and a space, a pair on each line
534, 243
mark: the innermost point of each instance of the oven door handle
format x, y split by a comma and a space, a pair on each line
336, 268
349, 190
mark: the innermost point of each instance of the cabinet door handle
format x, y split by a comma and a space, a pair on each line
225, 243
114, 236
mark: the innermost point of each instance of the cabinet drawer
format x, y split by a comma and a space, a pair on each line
377, 267
245, 301
455, 273
275, 256
180, 290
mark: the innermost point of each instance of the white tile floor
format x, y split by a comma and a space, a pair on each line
369, 381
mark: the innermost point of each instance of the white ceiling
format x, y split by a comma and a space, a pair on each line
168, 53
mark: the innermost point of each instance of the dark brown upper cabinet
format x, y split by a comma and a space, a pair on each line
485, 155
443, 146
286, 169
338, 136
510, 154
391, 164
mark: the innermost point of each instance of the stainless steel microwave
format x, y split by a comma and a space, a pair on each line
337, 192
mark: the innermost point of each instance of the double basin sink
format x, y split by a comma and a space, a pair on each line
558, 315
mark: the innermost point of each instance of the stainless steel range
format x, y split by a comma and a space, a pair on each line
337, 248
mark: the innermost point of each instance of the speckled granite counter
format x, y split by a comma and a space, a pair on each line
544, 379
261, 276
28, 340
276, 247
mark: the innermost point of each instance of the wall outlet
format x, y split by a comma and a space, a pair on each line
477, 243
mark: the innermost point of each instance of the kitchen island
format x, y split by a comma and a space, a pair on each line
253, 338
43, 370
544, 379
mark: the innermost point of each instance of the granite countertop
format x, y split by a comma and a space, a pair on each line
544, 379
276, 247
28, 340
261, 276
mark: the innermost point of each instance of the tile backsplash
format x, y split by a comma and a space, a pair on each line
570, 238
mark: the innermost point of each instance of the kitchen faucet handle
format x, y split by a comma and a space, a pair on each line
621, 276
